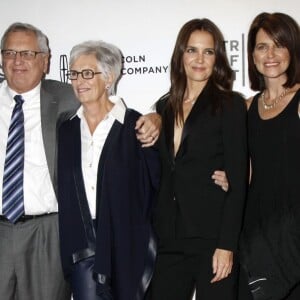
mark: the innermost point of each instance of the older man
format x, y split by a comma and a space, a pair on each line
31, 110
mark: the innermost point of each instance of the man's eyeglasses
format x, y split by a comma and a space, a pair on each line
85, 74
24, 54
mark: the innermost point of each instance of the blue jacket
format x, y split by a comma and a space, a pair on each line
128, 178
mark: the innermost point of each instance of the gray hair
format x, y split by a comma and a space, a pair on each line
108, 56
42, 39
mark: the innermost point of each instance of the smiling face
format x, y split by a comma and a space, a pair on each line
89, 90
199, 57
23, 75
271, 60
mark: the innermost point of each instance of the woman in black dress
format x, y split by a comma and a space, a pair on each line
270, 240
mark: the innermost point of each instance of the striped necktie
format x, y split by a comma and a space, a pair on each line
12, 195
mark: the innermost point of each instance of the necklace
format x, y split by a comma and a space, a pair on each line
267, 106
191, 101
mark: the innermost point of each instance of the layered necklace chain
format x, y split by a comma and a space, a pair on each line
267, 106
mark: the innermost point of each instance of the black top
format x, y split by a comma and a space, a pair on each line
274, 147
270, 241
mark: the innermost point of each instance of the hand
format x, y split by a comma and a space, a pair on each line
220, 179
148, 129
222, 264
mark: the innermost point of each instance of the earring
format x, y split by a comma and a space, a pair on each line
107, 87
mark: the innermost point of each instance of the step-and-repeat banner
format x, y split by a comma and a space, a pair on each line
144, 30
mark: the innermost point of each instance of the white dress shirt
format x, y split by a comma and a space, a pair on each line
39, 196
92, 145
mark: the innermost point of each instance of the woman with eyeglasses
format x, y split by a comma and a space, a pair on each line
106, 184
270, 244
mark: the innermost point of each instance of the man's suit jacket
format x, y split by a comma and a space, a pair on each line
190, 204
127, 182
58, 102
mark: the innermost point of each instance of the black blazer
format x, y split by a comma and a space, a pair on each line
188, 196
127, 182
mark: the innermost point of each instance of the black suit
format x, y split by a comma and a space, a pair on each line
192, 212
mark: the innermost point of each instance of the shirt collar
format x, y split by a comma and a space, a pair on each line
27, 96
117, 112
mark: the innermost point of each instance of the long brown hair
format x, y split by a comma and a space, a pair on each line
222, 76
284, 31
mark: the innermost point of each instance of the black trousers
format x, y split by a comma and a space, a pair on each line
177, 275
82, 283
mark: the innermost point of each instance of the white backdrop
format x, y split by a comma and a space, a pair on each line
144, 30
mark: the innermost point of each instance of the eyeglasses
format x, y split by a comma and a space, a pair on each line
85, 74
264, 48
24, 54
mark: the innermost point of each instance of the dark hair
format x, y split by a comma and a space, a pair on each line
284, 31
222, 76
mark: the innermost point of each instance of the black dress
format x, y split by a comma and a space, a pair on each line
274, 148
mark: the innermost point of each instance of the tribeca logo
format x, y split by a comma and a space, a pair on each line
237, 58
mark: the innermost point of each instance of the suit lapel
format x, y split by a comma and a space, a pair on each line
169, 133
199, 107
49, 108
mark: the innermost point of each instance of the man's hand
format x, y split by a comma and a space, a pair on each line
148, 128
